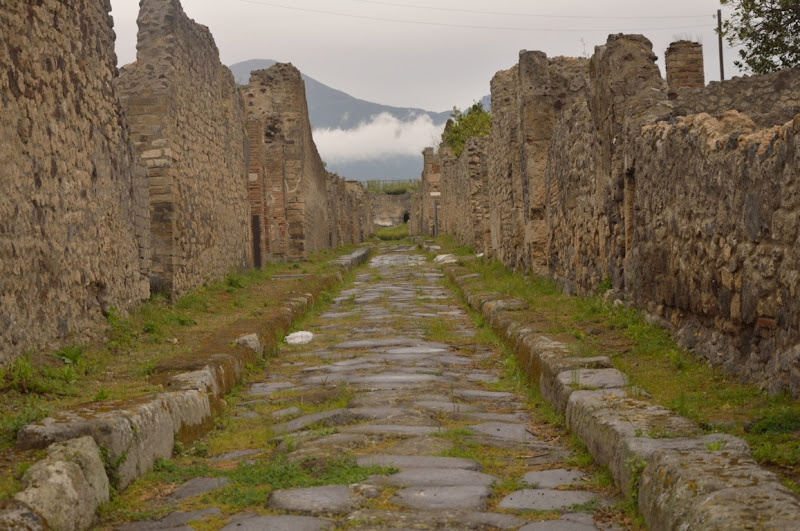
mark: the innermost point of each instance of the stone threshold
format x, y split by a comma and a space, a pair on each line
64, 490
681, 478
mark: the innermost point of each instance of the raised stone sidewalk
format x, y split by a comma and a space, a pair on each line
63, 491
681, 478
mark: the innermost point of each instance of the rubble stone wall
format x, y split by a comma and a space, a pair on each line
188, 125
464, 206
770, 99
686, 200
74, 227
526, 102
426, 198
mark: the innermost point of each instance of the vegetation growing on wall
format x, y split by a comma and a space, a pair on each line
462, 126
769, 32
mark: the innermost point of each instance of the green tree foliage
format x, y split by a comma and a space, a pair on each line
462, 126
768, 30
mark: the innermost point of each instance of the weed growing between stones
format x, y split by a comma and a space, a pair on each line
657, 367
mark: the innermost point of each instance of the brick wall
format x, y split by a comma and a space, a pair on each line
73, 212
684, 62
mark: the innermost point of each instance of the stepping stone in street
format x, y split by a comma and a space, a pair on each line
268, 388
544, 499
446, 498
404, 462
279, 523
197, 486
327, 500
546, 479
176, 520
438, 477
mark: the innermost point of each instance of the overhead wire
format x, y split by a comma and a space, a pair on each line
532, 15
449, 25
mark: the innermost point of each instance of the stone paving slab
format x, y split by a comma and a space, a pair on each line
315, 501
545, 499
173, 521
438, 477
451, 498
404, 462
280, 523
197, 486
557, 477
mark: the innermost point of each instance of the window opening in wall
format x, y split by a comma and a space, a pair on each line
406, 217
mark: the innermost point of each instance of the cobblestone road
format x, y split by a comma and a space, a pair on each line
397, 385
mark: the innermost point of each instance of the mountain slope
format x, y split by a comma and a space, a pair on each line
331, 108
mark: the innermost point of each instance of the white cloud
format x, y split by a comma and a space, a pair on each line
383, 136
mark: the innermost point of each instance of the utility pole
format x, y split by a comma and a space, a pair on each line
719, 33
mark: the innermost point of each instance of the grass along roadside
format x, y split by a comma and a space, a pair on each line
654, 362
117, 364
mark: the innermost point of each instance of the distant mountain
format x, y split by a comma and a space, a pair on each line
329, 108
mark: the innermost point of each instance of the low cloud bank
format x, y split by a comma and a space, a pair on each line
381, 137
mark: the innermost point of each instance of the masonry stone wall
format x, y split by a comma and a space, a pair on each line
425, 198
188, 124
768, 100
73, 211
391, 210
296, 183
686, 200
526, 102
465, 213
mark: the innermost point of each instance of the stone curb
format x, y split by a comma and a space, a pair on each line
682, 480
133, 434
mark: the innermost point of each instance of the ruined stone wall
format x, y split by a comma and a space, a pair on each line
693, 218
770, 99
690, 216
73, 210
187, 121
296, 176
464, 181
390, 209
717, 243
427, 196
589, 214
526, 102
361, 213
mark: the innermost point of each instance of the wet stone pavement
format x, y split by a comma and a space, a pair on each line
397, 380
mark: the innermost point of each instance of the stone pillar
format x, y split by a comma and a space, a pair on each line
684, 61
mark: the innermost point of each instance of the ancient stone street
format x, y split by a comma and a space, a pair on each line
397, 379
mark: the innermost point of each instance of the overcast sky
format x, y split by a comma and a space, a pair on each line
432, 60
